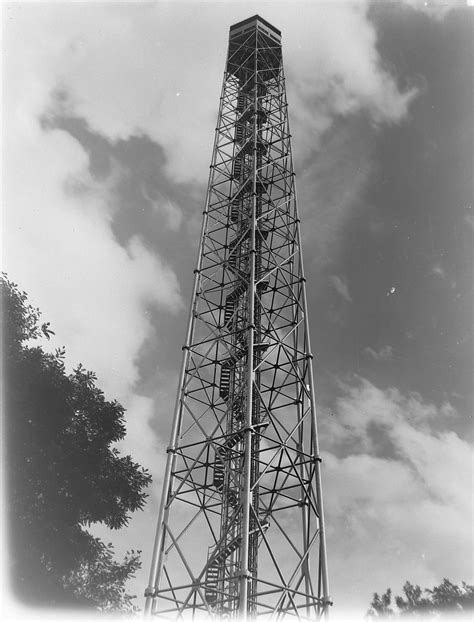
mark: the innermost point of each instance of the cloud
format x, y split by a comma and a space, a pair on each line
335, 77
341, 287
330, 188
340, 95
436, 9
335, 71
173, 215
61, 249
123, 66
332, 62
439, 271
59, 242
76, 49
408, 512
383, 354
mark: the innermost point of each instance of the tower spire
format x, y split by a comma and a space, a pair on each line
240, 529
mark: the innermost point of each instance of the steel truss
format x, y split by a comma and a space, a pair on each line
240, 529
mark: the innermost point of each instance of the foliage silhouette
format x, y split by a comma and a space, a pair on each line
443, 601
63, 472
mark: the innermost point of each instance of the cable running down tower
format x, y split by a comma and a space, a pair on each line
240, 529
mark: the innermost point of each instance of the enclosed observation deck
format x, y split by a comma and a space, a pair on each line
247, 36
252, 24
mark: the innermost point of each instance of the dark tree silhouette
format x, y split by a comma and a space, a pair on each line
380, 605
449, 597
63, 473
414, 600
443, 601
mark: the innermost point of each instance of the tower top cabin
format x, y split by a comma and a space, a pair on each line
245, 38
255, 23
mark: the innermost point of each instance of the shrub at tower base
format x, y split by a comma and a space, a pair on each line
62, 473
445, 601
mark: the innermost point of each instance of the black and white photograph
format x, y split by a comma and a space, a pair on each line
237, 310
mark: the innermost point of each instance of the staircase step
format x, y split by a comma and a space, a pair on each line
249, 112
238, 291
218, 479
241, 101
228, 312
234, 440
228, 549
224, 383
235, 209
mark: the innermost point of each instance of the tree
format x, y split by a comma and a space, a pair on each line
414, 600
380, 605
449, 597
443, 600
63, 472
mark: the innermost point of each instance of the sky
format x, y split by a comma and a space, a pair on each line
108, 121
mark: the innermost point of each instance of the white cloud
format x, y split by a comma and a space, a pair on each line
330, 189
341, 287
123, 66
383, 354
338, 87
59, 245
172, 213
438, 270
408, 515
335, 70
61, 249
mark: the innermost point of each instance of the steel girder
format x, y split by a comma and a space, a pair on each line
240, 528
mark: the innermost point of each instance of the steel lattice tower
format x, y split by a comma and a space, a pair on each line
240, 528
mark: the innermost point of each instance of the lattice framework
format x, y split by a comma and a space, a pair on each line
240, 529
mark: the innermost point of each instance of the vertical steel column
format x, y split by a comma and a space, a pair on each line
246, 489
316, 454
